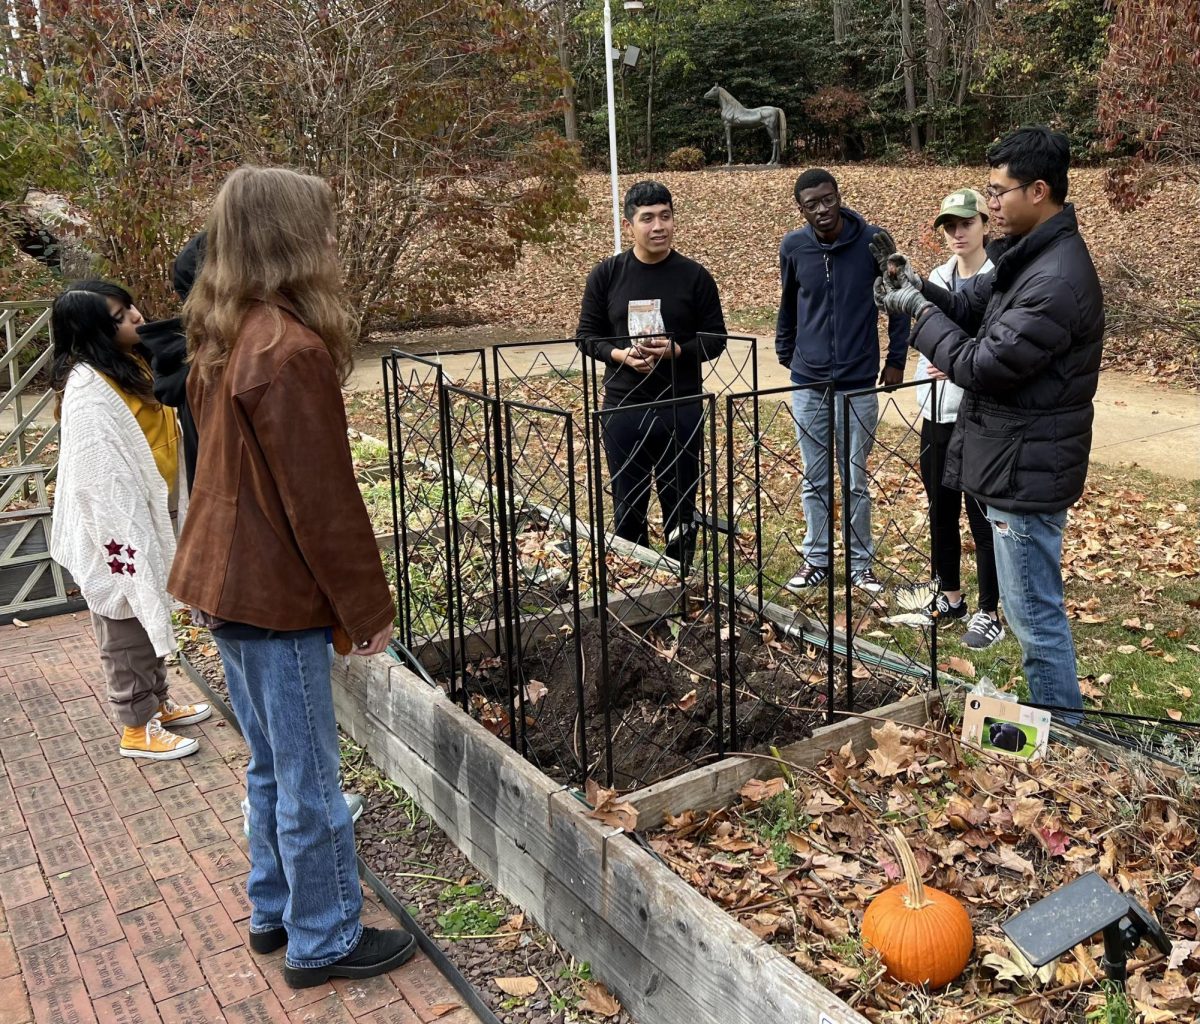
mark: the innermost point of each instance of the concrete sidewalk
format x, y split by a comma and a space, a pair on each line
123, 882
1137, 423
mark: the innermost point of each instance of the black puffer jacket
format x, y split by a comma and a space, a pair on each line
1024, 342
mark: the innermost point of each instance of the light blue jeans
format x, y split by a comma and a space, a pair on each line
303, 871
811, 414
1029, 568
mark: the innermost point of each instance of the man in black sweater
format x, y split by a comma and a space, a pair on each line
652, 316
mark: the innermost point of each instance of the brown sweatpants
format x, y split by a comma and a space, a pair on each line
137, 678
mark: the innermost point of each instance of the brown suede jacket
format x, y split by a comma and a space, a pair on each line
276, 534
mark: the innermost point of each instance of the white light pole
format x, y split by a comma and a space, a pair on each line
612, 126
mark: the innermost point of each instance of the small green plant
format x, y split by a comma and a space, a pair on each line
1116, 1008
777, 818
458, 892
576, 970
470, 918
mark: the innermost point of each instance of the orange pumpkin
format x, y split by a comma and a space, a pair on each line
922, 935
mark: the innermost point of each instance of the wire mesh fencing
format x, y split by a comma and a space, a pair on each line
615, 578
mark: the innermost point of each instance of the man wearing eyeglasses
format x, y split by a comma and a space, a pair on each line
828, 329
1024, 342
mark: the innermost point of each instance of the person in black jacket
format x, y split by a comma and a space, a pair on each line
1024, 341
166, 344
652, 316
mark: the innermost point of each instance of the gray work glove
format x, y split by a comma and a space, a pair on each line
906, 300
882, 246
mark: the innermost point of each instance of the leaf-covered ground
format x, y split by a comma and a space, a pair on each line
733, 221
797, 859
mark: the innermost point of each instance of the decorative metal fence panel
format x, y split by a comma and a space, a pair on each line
604, 640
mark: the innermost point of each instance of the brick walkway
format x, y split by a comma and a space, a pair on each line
123, 881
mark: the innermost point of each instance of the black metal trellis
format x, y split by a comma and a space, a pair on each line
663, 649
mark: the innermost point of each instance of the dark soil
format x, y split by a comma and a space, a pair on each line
433, 879
664, 696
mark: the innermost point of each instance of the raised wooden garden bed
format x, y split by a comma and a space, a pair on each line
669, 954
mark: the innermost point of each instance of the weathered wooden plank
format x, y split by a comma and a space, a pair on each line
714, 785
668, 953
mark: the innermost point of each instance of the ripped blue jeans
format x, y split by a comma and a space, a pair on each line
1029, 568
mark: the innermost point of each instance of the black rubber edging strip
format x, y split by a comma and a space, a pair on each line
376, 884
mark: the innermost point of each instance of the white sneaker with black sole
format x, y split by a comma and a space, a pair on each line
983, 631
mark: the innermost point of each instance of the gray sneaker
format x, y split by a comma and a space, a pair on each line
983, 631
354, 802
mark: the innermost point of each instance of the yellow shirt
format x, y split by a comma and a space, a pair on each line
161, 428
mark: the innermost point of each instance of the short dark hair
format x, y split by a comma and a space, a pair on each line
646, 193
86, 332
813, 177
1035, 153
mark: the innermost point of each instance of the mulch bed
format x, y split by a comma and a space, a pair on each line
798, 859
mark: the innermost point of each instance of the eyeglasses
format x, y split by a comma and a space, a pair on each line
991, 194
829, 202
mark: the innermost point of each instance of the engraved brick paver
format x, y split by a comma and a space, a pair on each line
199, 1006
186, 892
234, 976
92, 926
166, 859
48, 964
64, 1004
160, 775
108, 969
129, 1006
123, 882
16, 850
131, 889
22, 885
149, 928
79, 887
170, 970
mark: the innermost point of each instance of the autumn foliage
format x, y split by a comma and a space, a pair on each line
1149, 106
431, 123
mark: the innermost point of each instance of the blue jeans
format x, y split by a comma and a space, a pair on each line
303, 871
1029, 567
811, 414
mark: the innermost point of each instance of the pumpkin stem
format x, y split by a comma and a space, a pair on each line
915, 899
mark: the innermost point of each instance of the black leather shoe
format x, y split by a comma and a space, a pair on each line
268, 941
378, 951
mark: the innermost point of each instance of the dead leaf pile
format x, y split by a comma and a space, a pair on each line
798, 863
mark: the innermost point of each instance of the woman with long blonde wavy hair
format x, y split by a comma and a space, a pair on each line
278, 556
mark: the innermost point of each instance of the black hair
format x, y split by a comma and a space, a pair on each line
813, 177
86, 332
1035, 153
646, 193
186, 267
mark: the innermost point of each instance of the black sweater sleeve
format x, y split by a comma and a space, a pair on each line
711, 333
593, 315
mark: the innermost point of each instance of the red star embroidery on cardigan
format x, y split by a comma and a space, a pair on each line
113, 547
130, 552
116, 566
129, 570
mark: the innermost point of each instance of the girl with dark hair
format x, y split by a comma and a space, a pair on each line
118, 490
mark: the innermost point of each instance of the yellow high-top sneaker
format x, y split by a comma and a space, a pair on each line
173, 714
153, 742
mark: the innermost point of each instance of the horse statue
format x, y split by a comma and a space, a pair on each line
733, 113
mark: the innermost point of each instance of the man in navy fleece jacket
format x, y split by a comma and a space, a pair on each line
828, 330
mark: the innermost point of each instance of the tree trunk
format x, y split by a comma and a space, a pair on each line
908, 62
935, 61
561, 34
839, 21
650, 89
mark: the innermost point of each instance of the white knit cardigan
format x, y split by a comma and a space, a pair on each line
111, 527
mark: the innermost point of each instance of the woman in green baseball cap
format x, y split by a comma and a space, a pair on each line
962, 221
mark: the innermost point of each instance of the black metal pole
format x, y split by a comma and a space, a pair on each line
847, 531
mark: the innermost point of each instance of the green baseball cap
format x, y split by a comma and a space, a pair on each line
966, 202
